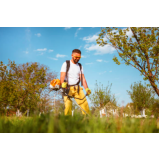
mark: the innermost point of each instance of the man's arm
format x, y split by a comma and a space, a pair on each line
84, 81
62, 77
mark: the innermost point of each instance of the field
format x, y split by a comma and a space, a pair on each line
77, 124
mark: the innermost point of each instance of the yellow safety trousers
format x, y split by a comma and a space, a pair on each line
82, 103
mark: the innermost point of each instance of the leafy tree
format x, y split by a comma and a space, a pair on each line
101, 96
142, 96
155, 108
129, 109
23, 86
140, 50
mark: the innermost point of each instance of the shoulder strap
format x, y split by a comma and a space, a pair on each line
81, 73
80, 66
67, 68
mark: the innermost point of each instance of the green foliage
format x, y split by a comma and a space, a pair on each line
136, 46
76, 124
155, 108
101, 96
128, 111
22, 86
141, 96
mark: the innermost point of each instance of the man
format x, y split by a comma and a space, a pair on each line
72, 79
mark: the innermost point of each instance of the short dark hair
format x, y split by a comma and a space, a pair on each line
76, 50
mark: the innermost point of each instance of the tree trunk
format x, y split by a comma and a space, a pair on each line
143, 112
27, 112
17, 113
154, 86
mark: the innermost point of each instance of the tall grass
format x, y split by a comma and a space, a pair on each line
77, 124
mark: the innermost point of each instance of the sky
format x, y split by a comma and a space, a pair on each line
53, 45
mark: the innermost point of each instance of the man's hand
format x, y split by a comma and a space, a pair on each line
64, 84
88, 91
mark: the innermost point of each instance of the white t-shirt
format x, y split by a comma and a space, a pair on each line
73, 72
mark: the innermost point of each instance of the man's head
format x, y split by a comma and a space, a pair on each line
76, 55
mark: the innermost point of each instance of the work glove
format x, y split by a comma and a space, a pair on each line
88, 91
64, 84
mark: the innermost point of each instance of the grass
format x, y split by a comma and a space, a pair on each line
77, 124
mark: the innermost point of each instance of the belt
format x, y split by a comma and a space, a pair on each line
68, 87
74, 87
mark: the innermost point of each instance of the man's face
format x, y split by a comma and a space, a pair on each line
76, 57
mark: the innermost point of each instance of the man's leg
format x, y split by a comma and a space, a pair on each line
82, 103
68, 106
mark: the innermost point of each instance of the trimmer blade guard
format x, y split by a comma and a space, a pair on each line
56, 87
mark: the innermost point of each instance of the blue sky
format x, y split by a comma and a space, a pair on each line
52, 46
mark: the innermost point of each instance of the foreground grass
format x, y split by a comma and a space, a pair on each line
77, 124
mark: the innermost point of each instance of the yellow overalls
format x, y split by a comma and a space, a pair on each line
82, 103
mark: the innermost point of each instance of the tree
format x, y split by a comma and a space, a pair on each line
155, 108
23, 86
102, 95
142, 96
136, 46
129, 109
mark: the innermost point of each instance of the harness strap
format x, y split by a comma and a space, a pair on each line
67, 69
81, 73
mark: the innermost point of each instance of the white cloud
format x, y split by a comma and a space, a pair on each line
86, 45
110, 71
80, 47
99, 49
41, 50
66, 28
102, 72
50, 50
53, 58
77, 31
99, 60
83, 56
90, 38
38, 34
26, 52
129, 33
60, 55
88, 63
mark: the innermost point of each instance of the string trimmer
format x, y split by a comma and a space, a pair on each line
55, 86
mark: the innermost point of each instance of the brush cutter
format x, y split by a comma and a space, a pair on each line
55, 85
